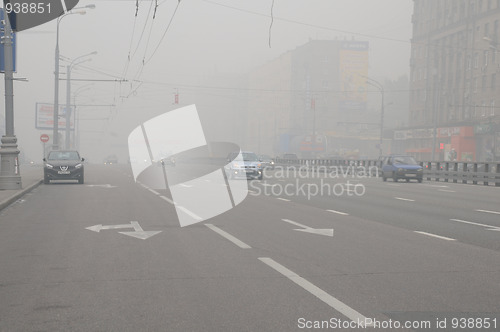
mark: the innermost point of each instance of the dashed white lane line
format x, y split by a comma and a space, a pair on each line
405, 199
228, 236
316, 291
490, 227
185, 185
338, 212
283, 199
436, 236
487, 211
447, 191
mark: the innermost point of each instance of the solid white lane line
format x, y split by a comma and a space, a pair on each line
338, 212
168, 200
228, 236
436, 236
475, 223
189, 213
283, 199
487, 211
153, 191
405, 199
316, 291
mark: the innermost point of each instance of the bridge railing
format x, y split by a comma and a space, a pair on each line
485, 173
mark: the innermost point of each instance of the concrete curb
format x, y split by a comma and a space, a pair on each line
18, 195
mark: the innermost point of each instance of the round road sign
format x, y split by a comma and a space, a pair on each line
44, 138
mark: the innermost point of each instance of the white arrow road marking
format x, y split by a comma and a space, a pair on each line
101, 185
490, 227
137, 233
307, 229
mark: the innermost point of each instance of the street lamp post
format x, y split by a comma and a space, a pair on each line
10, 177
379, 86
55, 134
67, 144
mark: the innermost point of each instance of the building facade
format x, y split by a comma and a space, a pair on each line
300, 101
454, 88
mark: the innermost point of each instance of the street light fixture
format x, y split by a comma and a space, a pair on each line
68, 95
55, 138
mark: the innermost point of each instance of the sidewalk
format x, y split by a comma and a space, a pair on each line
31, 177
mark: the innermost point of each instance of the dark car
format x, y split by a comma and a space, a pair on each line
267, 161
250, 167
401, 167
63, 165
111, 159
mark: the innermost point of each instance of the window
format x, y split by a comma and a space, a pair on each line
492, 107
493, 81
475, 84
476, 60
483, 83
469, 62
486, 55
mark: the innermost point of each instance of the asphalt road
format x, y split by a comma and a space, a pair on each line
413, 253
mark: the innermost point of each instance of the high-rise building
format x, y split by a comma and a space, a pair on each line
454, 93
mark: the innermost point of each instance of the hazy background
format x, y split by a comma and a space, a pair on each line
205, 39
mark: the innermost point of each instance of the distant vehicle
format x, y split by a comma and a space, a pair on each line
167, 161
401, 167
63, 165
111, 159
250, 168
290, 158
267, 161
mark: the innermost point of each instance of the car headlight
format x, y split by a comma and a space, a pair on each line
78, 165
272, 162
419, 170
49, 166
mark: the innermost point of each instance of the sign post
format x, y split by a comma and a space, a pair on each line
44, 138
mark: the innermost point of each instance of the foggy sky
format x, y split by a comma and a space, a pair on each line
205, 37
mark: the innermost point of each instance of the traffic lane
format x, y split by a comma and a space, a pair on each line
56, 275
393, 206
372, 267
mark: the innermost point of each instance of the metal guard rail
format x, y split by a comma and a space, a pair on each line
485, 173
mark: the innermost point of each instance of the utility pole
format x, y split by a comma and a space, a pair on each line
10, 177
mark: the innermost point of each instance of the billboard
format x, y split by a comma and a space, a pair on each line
44, 118
353, 71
